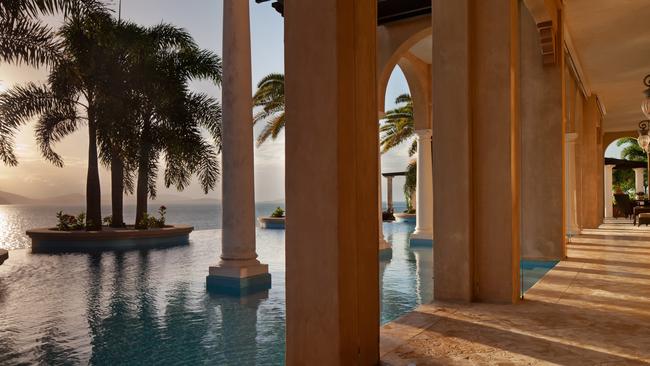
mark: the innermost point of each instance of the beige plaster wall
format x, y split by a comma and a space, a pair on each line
332, 274
542, 186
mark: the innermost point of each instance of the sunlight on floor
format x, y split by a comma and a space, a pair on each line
590, 309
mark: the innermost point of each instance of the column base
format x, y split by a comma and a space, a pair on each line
421, 239
385, 254
385, 249
238, 279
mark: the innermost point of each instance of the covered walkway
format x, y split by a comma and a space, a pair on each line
593, 308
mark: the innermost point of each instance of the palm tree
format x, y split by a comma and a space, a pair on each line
398, 125
632, 150
270, 97
70, 99
169, 117
410, 184
25, 39
624, 178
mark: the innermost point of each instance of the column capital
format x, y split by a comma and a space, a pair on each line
423, 134
609, 166
638, 169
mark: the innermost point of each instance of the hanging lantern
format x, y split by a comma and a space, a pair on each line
645, 105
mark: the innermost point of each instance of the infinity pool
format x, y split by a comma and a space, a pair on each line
151, 307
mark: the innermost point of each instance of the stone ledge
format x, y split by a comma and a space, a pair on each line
4, 255
52, 240
404, 217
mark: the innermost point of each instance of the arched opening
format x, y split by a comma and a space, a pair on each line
625, 181
404, 127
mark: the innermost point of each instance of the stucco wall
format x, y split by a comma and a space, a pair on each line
541, 148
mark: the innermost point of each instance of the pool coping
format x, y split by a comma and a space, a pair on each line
268, 222
50, 239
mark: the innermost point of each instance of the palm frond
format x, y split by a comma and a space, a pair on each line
398, 124
414, 148
27, 41
272, 129
51, 128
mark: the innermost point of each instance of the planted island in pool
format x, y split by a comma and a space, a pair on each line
70, 234
275, 221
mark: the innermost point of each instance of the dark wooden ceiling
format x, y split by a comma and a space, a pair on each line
387, 10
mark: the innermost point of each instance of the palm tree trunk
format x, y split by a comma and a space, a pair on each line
142, 193
93, 189
117, 190
142, 189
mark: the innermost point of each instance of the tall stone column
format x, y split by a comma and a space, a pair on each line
423, 234
475, 73
385, 248
571, 206
239, 271
639, 185
609, 199
389, 193
332, 271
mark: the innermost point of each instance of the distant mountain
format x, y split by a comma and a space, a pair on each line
7, 198
77, 199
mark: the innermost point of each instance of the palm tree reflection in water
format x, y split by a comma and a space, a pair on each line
134, 324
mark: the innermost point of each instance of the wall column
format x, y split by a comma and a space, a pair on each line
542, 148
591, 166
475, 120
423, 234
608, 196
332, 266
639, 185
239, 271
571, 172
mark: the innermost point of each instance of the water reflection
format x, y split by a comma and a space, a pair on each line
151, 307
423, 258
127, 325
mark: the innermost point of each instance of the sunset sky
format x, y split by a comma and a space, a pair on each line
203, 18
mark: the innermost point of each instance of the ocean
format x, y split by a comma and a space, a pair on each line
16, 219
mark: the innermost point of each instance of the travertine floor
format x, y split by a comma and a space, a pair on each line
592, 309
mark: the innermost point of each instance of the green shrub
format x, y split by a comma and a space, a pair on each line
69, 222
152, 222
279, 212
108, 220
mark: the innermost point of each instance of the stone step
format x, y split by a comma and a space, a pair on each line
605, 237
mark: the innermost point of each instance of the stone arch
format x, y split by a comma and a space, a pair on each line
610, 137
418, 76
393, 42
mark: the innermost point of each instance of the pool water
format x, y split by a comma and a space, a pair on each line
532, 271
150, 307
